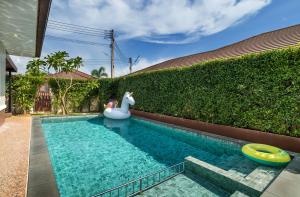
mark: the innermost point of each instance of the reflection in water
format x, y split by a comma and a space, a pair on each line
119, 126
111, 123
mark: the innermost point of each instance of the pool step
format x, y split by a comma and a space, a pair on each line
185, 185
220, 177
239, 194
242, 168
261, 177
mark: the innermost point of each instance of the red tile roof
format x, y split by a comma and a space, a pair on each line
266, 41
75, 75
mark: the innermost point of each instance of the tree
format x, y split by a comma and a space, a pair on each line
26, 86
99, 73
24, 91
59, 62
35, 68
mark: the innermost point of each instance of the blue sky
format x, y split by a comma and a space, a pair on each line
158, 30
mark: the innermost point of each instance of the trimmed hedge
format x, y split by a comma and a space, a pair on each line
257, 91
108, 89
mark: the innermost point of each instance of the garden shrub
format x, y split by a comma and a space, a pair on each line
256, 91
24, 90
79, 95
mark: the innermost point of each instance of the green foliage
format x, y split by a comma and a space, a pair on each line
258, 91
24, 89
81, 92
59, 62
99, 73
108, 89
34, 67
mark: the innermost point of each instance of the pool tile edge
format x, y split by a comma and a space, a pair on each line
41, 180
282, 141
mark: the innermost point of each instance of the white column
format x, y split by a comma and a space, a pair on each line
2, 76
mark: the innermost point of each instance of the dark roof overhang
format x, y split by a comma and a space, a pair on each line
42, 18
10, 66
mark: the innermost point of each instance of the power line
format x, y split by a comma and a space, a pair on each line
120, 53
90, 31
96, 60
77, 26
103, 60
77, 31
76, 41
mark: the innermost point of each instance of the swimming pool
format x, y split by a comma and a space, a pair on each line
92, 154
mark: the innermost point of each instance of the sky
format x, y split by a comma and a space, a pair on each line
158, 30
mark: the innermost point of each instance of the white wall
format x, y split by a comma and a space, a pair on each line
2, 76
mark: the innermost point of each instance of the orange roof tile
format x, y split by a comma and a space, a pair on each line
266, 41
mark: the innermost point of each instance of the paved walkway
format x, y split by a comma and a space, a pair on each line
14, 150
287, 183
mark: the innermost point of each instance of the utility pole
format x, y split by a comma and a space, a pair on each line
112, 58
130, 65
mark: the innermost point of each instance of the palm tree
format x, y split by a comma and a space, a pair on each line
99, 73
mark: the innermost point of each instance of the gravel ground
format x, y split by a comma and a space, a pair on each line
14, 151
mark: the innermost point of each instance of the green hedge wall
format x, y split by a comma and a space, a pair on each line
108, 89
257, 91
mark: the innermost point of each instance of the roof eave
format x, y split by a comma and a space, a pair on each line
10, 66
42, 18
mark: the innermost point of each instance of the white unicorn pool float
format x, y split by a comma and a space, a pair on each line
122, 112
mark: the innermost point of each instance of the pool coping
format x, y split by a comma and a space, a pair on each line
41, 179
287, 182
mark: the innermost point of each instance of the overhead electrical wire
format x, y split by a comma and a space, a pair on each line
77, 26
87, 31
78, 31
120, 53
76, 40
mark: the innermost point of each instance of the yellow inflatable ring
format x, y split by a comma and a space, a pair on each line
266, 154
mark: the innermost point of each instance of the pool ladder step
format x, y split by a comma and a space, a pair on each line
139, 185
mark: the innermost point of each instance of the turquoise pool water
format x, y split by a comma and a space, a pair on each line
91, 155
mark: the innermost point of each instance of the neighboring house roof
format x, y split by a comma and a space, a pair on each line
266, 41
75, 75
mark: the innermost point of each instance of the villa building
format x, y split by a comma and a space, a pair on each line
276, 39
22, 31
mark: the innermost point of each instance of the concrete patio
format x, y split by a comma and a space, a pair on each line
14, 154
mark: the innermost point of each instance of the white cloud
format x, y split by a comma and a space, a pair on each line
143, 63
159, 21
